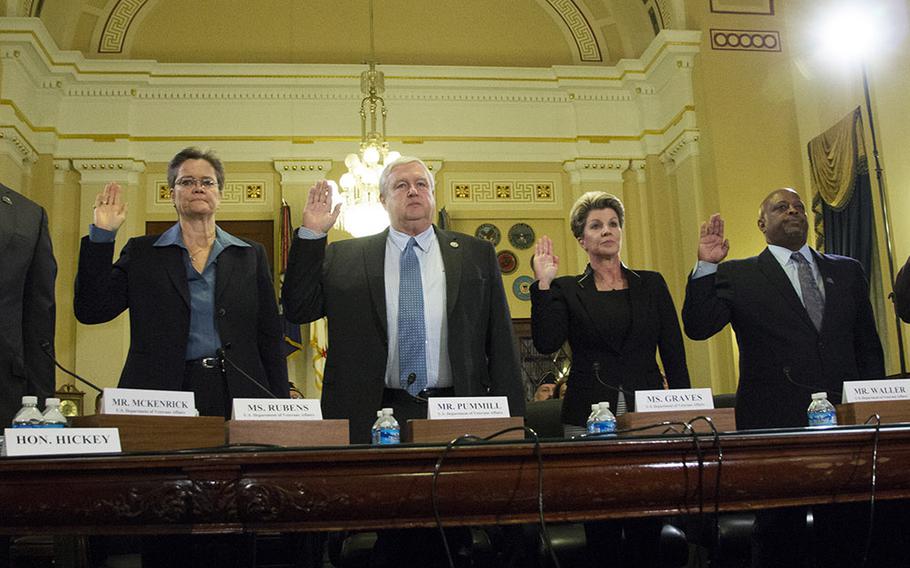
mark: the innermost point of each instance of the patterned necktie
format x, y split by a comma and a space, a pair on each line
412, 333
812, 296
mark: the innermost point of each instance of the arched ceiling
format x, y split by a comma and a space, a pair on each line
508, 33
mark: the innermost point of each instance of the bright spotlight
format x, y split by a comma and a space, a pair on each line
852, 30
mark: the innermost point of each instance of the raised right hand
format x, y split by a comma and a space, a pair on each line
712, 247
545, 263
109, 211
318, 214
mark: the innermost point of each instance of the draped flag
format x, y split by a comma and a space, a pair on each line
319, 342
293, 342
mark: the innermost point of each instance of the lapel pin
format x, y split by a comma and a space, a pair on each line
453, 244
6, 200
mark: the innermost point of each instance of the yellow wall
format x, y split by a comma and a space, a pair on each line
753, 114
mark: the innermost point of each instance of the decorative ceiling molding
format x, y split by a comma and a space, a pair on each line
113, 36
25, 8
580, 29
745, 40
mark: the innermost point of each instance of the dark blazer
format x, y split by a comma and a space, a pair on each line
566, 312
151, 282
27, 308
902, 292
345, 281
776, 338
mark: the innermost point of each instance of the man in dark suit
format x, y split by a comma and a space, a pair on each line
803, 323
454, 327
355, 283
26, 303
27, 309
901, 294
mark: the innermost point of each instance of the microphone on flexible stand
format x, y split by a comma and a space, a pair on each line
628, 394
221, 353
411, 378
46, 347
810, 388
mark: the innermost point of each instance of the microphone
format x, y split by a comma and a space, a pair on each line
46, 347
411, 378
221, 353
810, 388
630, 396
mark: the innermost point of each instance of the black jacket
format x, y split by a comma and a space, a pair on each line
345, 282
151, 282
565, 312
778, 344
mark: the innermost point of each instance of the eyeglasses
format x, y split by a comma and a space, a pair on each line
191, 182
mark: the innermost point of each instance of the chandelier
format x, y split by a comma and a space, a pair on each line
362, 214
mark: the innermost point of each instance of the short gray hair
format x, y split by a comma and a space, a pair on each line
193, 153
592, 201
401, 161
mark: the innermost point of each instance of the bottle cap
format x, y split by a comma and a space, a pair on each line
595, 406
819, 395
51, 401
604, 405
29, 399
387, 411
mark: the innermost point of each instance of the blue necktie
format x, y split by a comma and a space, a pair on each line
812, 296
412, 333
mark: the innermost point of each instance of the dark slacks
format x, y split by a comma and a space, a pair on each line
624, 542
209, 388
839, 536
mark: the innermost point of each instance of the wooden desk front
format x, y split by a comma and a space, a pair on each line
222, 491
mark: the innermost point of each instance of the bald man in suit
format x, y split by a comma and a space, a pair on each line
803, 323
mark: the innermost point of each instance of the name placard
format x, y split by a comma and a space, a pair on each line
468, 407
865, 391
60, 441
277, 409
148, 402
673, 399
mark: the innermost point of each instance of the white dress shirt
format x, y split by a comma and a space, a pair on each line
433, 280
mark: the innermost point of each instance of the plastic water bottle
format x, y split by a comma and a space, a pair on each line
53, 418
821, 412
604, 421
374, 431
593, 415
388, 430
28, 416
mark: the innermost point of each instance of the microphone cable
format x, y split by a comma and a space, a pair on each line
46, 348
629, 395
221, 353
875, 438
544, 532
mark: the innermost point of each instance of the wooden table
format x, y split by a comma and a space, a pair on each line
233, 490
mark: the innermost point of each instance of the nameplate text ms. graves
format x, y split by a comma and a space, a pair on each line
148, 402
673, 399
60, 441
468, 407
868, 391
277, 409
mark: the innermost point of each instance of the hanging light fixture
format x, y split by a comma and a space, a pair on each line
362, 213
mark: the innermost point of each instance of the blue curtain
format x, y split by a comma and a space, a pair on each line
849, 231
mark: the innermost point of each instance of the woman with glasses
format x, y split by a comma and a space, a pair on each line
203, 315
